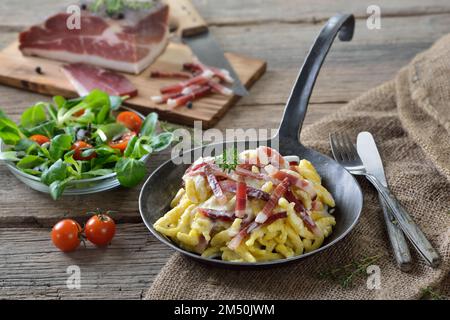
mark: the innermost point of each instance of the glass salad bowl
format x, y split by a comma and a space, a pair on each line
74, 187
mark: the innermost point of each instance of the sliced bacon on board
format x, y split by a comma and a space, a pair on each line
163, 98
85, 78
218, 88
222, 74
129, 44
201, 79
166, 74
184, 99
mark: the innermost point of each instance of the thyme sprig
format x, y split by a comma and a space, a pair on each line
430, 293
347, 274
116, 7
227, 163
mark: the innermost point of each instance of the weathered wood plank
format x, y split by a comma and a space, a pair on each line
37, 209
279, 31
31, 267
373, 56
219, 12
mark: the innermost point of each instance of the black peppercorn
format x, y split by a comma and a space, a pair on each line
38, 70
189, 105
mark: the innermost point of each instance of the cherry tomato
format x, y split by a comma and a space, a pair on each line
79, 147
79, 113
100, 229
122, 142
130, 120
66, 235
39, 139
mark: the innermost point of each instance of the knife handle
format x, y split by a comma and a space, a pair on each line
189, 21
397, 238
411, 230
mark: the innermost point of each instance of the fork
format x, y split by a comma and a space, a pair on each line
346, 155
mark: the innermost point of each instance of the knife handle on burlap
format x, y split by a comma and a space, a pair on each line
408, 226
189, 21
397, 238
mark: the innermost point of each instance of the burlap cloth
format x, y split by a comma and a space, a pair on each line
410, 120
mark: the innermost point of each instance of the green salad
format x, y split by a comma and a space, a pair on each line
80, 139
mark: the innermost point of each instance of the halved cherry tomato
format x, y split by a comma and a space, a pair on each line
100, 229
130, 120
79, 113
122, 142
39, 139
66, 235
79, 147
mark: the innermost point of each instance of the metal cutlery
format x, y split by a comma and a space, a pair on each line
345, 153
371, 159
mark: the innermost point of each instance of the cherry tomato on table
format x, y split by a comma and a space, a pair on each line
122, 142
79, 113
100, 229
79, 147
66, 235
39, 139
130, 120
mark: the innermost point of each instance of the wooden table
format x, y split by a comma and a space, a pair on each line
280, 32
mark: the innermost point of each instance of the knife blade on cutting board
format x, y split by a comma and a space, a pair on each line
368, 151
194, 32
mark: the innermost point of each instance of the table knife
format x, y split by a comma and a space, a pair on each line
370, 156
194, 32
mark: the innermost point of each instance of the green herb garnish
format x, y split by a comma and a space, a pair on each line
115, 7
430, 293
226, 162
346, 275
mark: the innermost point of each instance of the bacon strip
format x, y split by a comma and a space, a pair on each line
214, 184
218, 88
240, 170
230, 186
190, 89
236, 241
163, 74
198, 80
163, 98
298, 182
222, 74
184, 99
241, 198
279, 191
217, 214
303, 214
267, 155
215, 170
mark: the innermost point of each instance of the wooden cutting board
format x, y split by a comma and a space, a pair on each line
19, 71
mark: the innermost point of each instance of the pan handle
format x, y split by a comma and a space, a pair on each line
295, 110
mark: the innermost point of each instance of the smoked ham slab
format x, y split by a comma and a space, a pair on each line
129, 43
